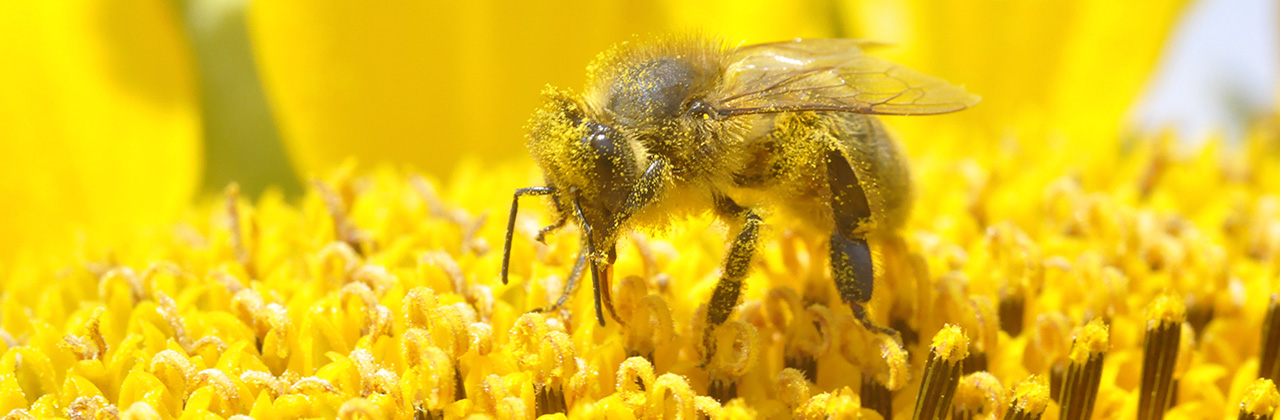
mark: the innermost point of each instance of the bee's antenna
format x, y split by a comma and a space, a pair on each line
591, 256
511, 223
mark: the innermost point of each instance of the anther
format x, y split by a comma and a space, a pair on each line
1030, 399
941, 374
1261, 401
1165, 317
978, 396
1080, 385
1269, 355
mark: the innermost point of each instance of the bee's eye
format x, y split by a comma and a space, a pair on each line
598, 136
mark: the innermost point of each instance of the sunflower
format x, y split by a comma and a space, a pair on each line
1060, 263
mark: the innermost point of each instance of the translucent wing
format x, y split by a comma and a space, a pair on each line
829, 75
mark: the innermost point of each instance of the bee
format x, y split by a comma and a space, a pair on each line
673, 126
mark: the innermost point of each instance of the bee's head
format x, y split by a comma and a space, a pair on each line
592, 165
640, 99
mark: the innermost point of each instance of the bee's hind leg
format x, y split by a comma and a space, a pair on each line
736, 266
851, 268
851, 265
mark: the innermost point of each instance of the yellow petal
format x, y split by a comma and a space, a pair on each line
11, 395
1073, 67
422, 82
98, 123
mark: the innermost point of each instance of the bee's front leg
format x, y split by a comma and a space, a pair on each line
736, 266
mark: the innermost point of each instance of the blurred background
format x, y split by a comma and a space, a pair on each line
119, 113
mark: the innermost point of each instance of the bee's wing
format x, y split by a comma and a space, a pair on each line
829, 75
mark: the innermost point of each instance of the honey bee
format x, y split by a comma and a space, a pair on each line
674, 126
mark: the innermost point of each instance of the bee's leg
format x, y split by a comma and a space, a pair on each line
511, 223
591, 258
647, 188
736, 265
851, 265
542, 233
851, 268
570, 286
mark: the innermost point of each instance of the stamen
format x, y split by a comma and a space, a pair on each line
882, 361
1199, 313
785, 311
109, 281
838, 404
1260, 401
1030, 398
1046, 349
1160, 354
91, 346
173, 370
88, 408
166, 275
814, 339
985, 326
678, 389
448, 266
369, 304
481, 335
1269, 355
222, 384
876, 396
1080, 384
418, 305
257, 380
376, 277
1013, 306
634, 375
335, 263
169, 311
491, 390
557, 363
941, 374
343, 228
792, 388
650, 327
709, 407
239, 246
1018, 263
23, 414
138, 411
979, 395
737, 351
360, 408
470, 226
431, 384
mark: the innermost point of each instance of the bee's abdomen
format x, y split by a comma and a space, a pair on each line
789, 164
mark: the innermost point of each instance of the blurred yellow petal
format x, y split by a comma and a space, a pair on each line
756, 21
98, 123
423, 82
1071, 68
